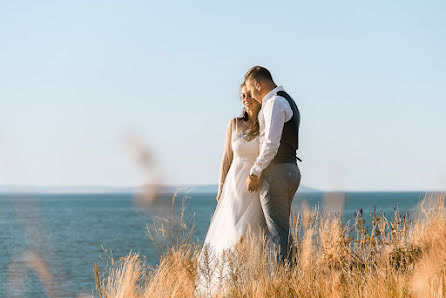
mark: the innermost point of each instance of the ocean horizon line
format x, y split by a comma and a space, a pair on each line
172, 188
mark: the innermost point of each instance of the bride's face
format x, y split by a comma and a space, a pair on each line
250, 104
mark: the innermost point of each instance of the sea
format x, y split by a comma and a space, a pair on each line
62, 235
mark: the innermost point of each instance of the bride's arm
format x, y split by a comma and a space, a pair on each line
226, 160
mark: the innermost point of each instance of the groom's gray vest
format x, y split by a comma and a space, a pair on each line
289, 142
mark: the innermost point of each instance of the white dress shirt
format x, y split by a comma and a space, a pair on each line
275, 111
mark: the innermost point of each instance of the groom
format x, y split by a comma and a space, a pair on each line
276, 167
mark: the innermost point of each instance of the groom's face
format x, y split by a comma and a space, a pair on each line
253, 90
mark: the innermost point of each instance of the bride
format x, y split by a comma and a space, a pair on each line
238, 210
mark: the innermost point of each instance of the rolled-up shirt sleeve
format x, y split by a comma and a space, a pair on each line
276, 112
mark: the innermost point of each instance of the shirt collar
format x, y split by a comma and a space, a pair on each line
272, 93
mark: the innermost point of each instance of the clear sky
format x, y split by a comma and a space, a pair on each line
75, 76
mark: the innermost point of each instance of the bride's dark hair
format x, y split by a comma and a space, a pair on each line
254, 130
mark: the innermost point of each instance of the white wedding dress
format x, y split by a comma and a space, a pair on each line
237, 211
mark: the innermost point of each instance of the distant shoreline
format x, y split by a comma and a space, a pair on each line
165, 189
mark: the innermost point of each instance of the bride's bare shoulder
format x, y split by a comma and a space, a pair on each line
233, 122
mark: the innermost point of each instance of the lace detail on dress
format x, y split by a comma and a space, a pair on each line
243, 134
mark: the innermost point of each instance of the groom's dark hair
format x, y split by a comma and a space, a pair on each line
258, 73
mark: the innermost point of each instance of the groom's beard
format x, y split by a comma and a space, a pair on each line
259, 97
259, 101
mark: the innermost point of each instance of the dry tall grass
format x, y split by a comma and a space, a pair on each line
390, 258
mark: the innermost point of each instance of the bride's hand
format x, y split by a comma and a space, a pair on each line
218, 195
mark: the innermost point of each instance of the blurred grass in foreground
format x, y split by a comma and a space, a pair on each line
380, 257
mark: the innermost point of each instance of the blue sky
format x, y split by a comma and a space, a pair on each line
75, 76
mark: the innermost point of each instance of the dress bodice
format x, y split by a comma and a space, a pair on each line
243, 146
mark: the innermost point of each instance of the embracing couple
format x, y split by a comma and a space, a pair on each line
259, 174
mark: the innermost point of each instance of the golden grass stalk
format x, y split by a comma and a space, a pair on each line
383, 257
